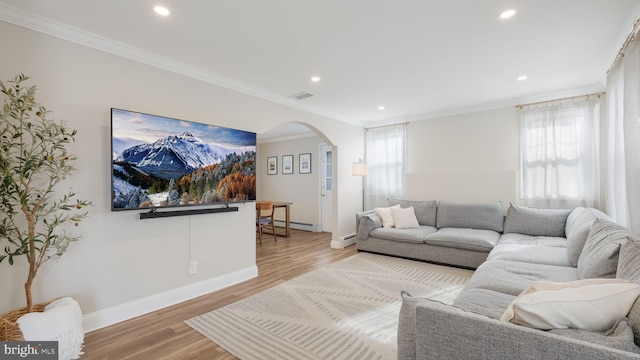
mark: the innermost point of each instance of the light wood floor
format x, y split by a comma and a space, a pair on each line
164, 335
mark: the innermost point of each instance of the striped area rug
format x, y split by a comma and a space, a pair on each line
345, 310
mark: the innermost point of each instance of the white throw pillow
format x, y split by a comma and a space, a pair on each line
404, 218
385, 215
589, 304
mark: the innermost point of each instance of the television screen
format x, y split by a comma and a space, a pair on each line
160, 162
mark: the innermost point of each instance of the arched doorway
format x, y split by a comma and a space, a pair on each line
304, 175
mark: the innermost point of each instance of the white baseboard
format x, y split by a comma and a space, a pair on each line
126, 311
343, 241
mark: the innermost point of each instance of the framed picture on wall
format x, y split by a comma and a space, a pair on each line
287, 164
272, 165
305, 164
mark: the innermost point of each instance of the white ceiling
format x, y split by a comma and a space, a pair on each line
418, 58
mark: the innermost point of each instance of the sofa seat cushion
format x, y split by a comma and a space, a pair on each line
522, 239
484, 302
512, 277
547, 255
535, 222
413, 235
473, 216
469, 239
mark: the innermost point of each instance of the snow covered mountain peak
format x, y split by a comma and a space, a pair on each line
187, 136
173, 156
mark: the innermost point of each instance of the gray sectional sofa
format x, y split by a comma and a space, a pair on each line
533, 245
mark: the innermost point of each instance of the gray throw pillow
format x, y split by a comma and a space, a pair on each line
577, 229
425, 210
629, 269
536, 222
599, 257
629, 261
620, 336
368, 223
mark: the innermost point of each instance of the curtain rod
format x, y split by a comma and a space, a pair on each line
598, 94
381, 126
630, 37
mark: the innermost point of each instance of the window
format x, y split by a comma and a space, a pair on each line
559, 154
328, 171
385, 157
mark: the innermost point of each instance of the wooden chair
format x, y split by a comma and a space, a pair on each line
264, 218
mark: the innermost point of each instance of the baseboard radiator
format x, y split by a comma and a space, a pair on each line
343, 241
298, 225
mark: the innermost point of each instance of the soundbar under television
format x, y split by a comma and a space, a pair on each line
161, 162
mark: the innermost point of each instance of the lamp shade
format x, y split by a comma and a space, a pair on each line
359, 169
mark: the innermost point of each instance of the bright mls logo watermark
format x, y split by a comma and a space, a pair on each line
30, 350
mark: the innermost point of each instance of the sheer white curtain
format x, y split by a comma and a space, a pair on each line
385, 149
622, 129
559, 154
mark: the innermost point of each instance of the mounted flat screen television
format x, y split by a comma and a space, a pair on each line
161, 162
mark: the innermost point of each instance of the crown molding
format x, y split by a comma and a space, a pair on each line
50, 27
285, 138
583, 90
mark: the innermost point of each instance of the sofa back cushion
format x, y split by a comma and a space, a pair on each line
577, 229
599, 257
536, 222
475, 216
425, 210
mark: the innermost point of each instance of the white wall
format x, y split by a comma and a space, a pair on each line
471, 157
124, 265
300, 189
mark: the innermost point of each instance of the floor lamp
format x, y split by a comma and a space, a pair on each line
360, 169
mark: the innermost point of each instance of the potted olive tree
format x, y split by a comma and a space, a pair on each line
34, 216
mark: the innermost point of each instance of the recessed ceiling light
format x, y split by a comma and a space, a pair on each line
507, 14
522, 77
380, 107
315, 78
161, 10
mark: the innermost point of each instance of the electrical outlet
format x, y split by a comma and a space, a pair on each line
193, 267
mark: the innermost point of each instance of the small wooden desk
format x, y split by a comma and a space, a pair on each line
287, 221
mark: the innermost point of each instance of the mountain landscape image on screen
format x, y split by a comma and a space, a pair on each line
165, 162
